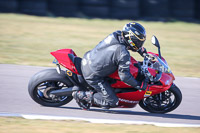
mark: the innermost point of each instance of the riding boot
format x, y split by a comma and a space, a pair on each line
83, 95
100, 100
83, 99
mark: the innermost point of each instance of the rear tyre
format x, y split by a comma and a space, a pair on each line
163, 102
43, 82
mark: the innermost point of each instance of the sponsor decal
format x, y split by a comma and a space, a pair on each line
69, 73
103, 90
130, 41
147, 93
127, 101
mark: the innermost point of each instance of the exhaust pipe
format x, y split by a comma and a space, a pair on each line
63, 92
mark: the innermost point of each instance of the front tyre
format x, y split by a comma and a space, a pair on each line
43, 82
163, 102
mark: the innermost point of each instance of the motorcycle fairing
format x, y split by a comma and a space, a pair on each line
126, 99
131, 99
63, 59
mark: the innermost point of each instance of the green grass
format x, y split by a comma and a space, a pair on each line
28, 40
19, 125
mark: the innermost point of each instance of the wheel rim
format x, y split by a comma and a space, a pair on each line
42, 91
160, 102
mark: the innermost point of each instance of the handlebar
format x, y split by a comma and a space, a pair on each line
149, 59
146, 55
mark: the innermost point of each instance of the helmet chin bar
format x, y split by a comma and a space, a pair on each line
132, 45
129, 46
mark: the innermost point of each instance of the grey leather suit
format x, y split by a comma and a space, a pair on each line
108, 56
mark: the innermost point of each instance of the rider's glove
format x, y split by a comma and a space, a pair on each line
142, 51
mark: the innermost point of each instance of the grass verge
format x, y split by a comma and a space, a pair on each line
20, 125
28, 40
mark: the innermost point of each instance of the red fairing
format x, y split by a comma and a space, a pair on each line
131, 99
167, 79
63, 59
152, 71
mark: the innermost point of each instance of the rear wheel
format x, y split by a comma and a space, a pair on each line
42, 83
163, 102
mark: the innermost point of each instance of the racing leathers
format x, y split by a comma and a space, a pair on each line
109, 55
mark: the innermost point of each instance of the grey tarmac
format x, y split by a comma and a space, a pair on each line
14, 99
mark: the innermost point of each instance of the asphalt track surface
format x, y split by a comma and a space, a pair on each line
14, 99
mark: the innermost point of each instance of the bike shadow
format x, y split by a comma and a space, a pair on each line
138, 113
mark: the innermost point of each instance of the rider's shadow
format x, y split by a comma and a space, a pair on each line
128, 112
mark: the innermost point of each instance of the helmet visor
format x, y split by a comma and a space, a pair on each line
135, 42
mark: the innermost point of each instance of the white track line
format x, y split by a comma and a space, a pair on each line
108, 121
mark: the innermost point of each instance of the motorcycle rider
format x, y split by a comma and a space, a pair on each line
110, 55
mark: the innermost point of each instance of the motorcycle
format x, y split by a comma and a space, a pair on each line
54, 87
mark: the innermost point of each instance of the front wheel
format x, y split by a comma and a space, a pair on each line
163, 102
42, 83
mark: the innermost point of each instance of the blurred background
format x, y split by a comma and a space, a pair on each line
117, 9
31, 29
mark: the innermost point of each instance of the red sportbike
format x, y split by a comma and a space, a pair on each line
53, 87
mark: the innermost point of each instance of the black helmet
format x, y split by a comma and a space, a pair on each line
134, 35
